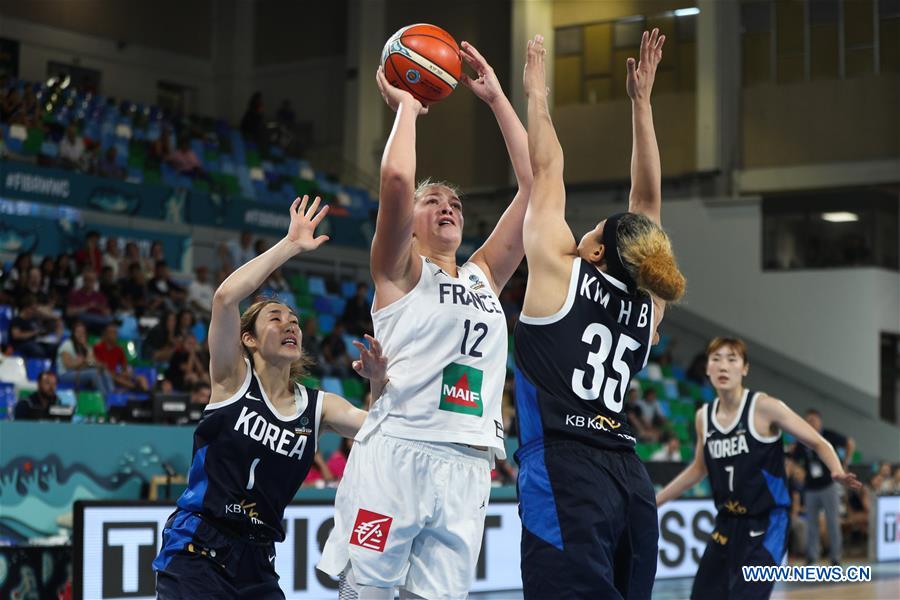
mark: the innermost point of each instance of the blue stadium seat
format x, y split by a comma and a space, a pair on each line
148, 372
35, 366
332, 385
317, 286
348, 289
326, 323
322, 305
352, 351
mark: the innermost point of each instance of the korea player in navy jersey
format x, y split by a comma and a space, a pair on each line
740, 447
590, 316
258, 436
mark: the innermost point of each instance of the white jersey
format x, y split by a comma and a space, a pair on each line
446, 343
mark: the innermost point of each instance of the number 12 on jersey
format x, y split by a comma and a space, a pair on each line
479, 330
613, 389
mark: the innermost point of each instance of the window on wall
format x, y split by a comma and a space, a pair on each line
890, 377
786, 41
851, 228
589, 63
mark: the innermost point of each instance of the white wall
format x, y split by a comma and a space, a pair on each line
828, 320
131, 73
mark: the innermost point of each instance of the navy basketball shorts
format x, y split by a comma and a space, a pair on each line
589, 525
199, 561
737, 542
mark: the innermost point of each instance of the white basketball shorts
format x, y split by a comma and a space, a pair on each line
410, 514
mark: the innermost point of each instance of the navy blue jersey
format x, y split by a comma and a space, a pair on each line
249, 460
746, 468
575, 366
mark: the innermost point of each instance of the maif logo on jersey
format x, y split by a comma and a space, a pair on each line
461, 390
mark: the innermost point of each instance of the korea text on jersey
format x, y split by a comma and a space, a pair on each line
811, 573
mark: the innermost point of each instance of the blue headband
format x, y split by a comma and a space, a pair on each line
614, 265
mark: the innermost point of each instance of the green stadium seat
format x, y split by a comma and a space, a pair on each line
353, 387
646, 449
90, 404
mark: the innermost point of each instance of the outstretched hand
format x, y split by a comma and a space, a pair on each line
486, 86
394, 96
639, 81
371, 364
303, 224
847, 479
535, 78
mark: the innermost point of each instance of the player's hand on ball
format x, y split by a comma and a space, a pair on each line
640, 77
301, 233
372, 364
535, 78
394, 96
847, 479
486, 86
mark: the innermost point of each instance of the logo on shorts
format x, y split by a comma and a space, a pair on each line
371, 530
718, 537
735, 507
461, 390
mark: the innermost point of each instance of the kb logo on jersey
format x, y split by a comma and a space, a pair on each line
461, 390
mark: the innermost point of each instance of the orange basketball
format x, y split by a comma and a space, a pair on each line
423, 60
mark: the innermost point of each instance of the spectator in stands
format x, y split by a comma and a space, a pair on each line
357, 315
63, 276
134, 293
337, 462
319, 473
26, 331
37, 405
670, 451
285, 114
110, 355
259, 246
312, 343
133, 256
160, 148
109, 287
12, 110
200, 293
164, 288
882, 483
253, 125
652, 416
77, 366
188, 365
794, 473
157, 253
334, 351
108, 165
34, 285
635, 415
241, 250
72, 152
15, 278
89, 304
201, 393
186, 322
31, 107
90, 254
162, 340
112, 257
48, 266
185, 161
822, 492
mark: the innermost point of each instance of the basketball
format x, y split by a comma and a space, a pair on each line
423, 60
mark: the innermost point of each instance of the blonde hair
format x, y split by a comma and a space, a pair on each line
647, 255
300, 367
426, 183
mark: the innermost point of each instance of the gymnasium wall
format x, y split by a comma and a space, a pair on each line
828, 320
129, 73
169, 25
821, 121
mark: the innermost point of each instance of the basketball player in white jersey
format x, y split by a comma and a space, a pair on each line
410, 510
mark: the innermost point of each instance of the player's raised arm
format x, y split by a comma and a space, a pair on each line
693, 474
226, 365
646, 184
391, 258
503, 251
